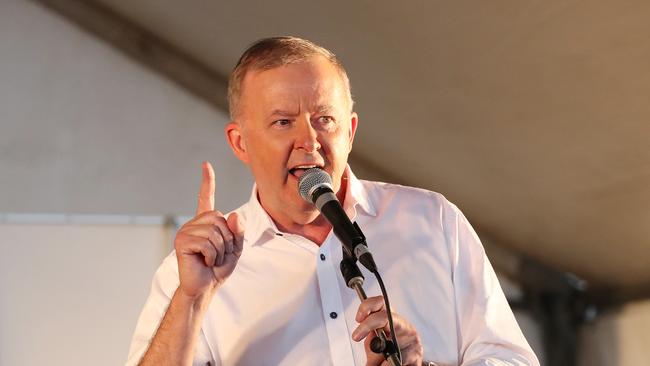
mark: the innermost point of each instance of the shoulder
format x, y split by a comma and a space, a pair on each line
430, 212
390, 195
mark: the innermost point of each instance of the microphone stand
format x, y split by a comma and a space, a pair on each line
354, 280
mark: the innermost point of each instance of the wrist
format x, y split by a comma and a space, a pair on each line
198, 302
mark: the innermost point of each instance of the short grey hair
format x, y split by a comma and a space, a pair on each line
269, 53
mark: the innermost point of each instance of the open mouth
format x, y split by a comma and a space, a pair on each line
300, 170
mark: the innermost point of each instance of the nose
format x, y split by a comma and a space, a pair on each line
306, 137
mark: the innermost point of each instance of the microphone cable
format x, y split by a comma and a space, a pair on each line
390, 315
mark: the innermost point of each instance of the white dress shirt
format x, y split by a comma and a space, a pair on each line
286, 302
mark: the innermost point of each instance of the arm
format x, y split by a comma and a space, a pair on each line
176, 337
485, 330
207, 250
488, 333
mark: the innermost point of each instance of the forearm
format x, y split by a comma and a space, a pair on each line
175, 340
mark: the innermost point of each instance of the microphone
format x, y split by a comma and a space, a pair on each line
315, 186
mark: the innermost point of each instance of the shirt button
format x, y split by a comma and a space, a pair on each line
333, 315
322, 256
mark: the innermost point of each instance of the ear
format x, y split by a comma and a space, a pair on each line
354, 121
233, 131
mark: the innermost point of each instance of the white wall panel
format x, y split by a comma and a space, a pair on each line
70, 294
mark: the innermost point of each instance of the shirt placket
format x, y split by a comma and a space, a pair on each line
332, 306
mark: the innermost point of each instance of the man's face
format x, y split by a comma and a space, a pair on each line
293, 117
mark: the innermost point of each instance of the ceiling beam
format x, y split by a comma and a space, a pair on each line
145, 48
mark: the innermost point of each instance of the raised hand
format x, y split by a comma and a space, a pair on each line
208, 246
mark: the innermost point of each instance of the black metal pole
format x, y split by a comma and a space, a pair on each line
354, 280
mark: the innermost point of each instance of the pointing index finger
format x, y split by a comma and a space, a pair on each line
206, 192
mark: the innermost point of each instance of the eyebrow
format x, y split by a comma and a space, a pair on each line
319, 109
280, 112
324, 108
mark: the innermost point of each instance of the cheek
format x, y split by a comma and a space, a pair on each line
340, 146
268, 152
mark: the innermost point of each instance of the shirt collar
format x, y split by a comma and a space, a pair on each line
356, 195
260, 227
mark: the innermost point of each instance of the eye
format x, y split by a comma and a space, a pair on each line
325, 120
281, 123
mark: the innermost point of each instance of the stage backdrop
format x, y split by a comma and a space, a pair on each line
71, 289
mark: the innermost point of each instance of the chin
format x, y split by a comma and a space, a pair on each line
309, 210
307, 214
311, 218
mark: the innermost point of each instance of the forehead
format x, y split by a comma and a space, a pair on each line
311, 83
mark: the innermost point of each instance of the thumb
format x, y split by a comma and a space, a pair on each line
237, 229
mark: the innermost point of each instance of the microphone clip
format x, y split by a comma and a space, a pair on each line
361, 251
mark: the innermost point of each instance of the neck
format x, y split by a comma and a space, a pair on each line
316, 230
312, 225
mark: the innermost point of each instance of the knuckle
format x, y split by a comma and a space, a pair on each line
186, 225
204, 244
203, 216
215, 233
227, 235
418, 341
179, 240
376, 299
365, 305
218, 242
209, 216
218, 237
227, 238
200, 215
221, 222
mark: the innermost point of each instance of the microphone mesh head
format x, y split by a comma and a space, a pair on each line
312, 179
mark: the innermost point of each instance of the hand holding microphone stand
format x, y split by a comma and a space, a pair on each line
315, 186
354, 280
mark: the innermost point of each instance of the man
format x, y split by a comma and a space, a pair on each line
261, 286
